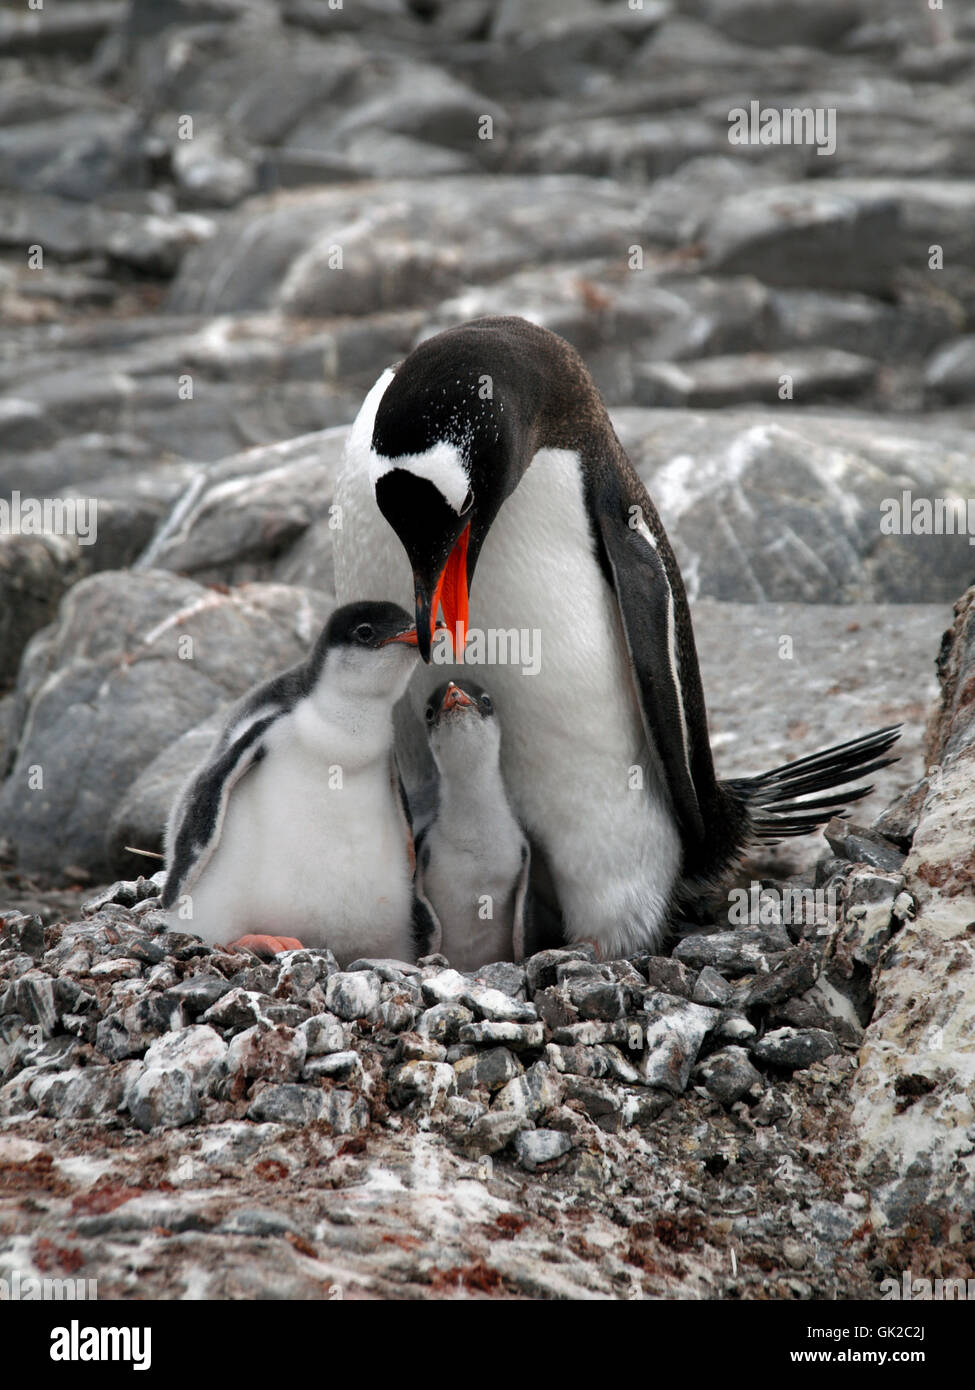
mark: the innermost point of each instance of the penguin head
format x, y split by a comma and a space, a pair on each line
366, 649
462, 727
448, 446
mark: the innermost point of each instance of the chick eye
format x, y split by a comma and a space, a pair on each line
430, 714
487, 704
364, 633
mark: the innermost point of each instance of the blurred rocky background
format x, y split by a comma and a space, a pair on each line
219, 221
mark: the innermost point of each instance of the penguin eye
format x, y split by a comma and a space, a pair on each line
430, 712
487, 704
364, 633
468, 503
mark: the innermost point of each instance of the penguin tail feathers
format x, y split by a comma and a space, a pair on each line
780, 803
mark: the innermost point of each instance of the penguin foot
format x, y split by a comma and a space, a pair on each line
265, 946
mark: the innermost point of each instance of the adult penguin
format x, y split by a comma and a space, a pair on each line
490, 454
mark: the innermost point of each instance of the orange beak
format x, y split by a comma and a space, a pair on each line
451, 593
454, 697
408, 636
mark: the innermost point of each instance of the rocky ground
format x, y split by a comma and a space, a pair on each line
219, 220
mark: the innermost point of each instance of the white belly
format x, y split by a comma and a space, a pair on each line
574, 752
472, 888
296, 857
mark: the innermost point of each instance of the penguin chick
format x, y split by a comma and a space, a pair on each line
294, 830
472, 856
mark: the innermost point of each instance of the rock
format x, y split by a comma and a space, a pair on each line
505, 976
711, 988
728, 1075
429, 1083
288, 1105
805, 234
32, 995
444, 987
284, 249
197, 1051
598, 1000
410, 1047
236, 1010
674, 1030
596, 1061
733, 952
75, 31
35, 571
345, 1067
127, 892
324, 1033
794, 972
491, 1133
495, 1006
209, 172
626, 1032
272, 1053
345, 1112
115, 650
698, 466
536, 1147
641, 1108
516, 1036
197, 993
85, 1093
602, 1102
770, 23
389, 971
537, 1091
914, 1147
665, 973
237, 520
443, 1022
794, 1048
492, 1069
354, 994
163, 1098
554, 1007
84, 155
129, 1032
400, 1006
950, 374
862, 846
300, 971
813, 374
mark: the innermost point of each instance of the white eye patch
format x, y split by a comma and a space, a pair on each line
441, 465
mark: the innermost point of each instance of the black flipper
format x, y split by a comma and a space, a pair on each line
652, 611
204, 805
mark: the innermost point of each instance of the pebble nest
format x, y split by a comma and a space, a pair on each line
181, 1120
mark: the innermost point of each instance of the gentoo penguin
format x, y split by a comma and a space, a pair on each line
293, 831
472, 857
490, 454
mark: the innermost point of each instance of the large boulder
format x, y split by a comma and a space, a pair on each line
361, 248
132, 662
914, 1112
778, 505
